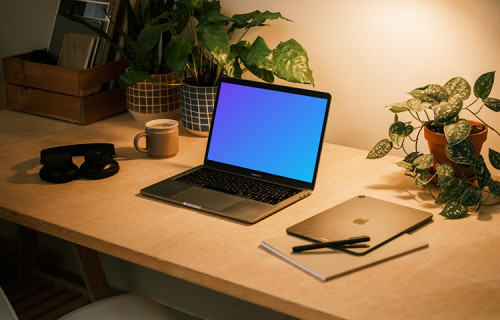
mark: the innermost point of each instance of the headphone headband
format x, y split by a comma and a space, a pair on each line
79, 149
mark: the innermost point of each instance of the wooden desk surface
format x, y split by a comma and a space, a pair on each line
456, 277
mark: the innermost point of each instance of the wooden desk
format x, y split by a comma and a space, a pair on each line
456, 277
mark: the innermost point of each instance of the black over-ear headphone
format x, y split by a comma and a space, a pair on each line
58, 165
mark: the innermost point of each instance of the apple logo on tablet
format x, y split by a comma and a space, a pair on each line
360, 221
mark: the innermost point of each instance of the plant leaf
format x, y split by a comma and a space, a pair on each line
472, 196
176, 55
462, 153
494, 157
445, 172
458, 86
292, 63
484, 84
253, 19
492, 103
452, 189
432, 93
219, 46
457, 132
483, 175
132, 76
258, 60
446, 111
417, 105
150, 36
494, 187
398, 131
398, 107
421, 178
412, 156
454, 210
406, 165
424, 161
382, 148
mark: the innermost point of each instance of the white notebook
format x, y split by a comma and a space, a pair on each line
327, 263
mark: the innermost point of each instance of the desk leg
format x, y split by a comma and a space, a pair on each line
28, 251
92, 272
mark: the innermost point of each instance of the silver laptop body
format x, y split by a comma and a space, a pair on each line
267, 135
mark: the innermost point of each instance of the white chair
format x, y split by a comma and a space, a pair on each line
124, 307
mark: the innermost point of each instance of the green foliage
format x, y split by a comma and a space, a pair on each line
209, 51
156, 42
446, 103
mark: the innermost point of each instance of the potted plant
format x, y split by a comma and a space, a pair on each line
152, 90
208, 51
461, 174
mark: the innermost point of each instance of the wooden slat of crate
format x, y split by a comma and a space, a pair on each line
81, 110
19, 70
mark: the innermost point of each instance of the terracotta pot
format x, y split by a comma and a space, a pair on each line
148, 101
437, 144
197, 106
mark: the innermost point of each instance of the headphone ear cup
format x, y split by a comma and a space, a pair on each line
58, 168
99, 164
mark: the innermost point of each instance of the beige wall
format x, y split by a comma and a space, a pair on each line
366, 53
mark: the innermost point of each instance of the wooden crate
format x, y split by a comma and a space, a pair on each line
63, 93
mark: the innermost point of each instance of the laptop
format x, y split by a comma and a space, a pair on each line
382, 221
262, 153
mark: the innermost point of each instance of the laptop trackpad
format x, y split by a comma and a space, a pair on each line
207, 198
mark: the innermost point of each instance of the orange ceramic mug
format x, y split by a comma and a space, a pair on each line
162, 138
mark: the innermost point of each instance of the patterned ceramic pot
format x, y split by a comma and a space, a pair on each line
197, 106
148, 101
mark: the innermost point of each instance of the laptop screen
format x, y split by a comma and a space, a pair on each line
268, 128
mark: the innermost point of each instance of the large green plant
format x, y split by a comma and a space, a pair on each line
441, 106
207, 50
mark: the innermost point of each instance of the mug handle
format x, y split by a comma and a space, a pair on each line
136, 141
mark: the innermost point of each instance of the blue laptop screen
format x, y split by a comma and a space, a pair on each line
269, 131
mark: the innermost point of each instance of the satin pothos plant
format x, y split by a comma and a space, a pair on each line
440, 109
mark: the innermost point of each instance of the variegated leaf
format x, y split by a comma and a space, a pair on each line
452, 189
446, 111
494, 158
406, 165
454, 210
445, 172
398, 131
432, 93
424, 161
457, 132
382, 148
412, 156
492, 103
398, 107
417, 105
462, 153
458, 86
484, 84
483, 175
494, 187
472, 196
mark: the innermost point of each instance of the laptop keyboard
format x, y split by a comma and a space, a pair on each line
237, 185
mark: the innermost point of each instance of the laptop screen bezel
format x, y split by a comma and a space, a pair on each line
258, 174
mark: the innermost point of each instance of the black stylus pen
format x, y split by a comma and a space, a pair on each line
331, 244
